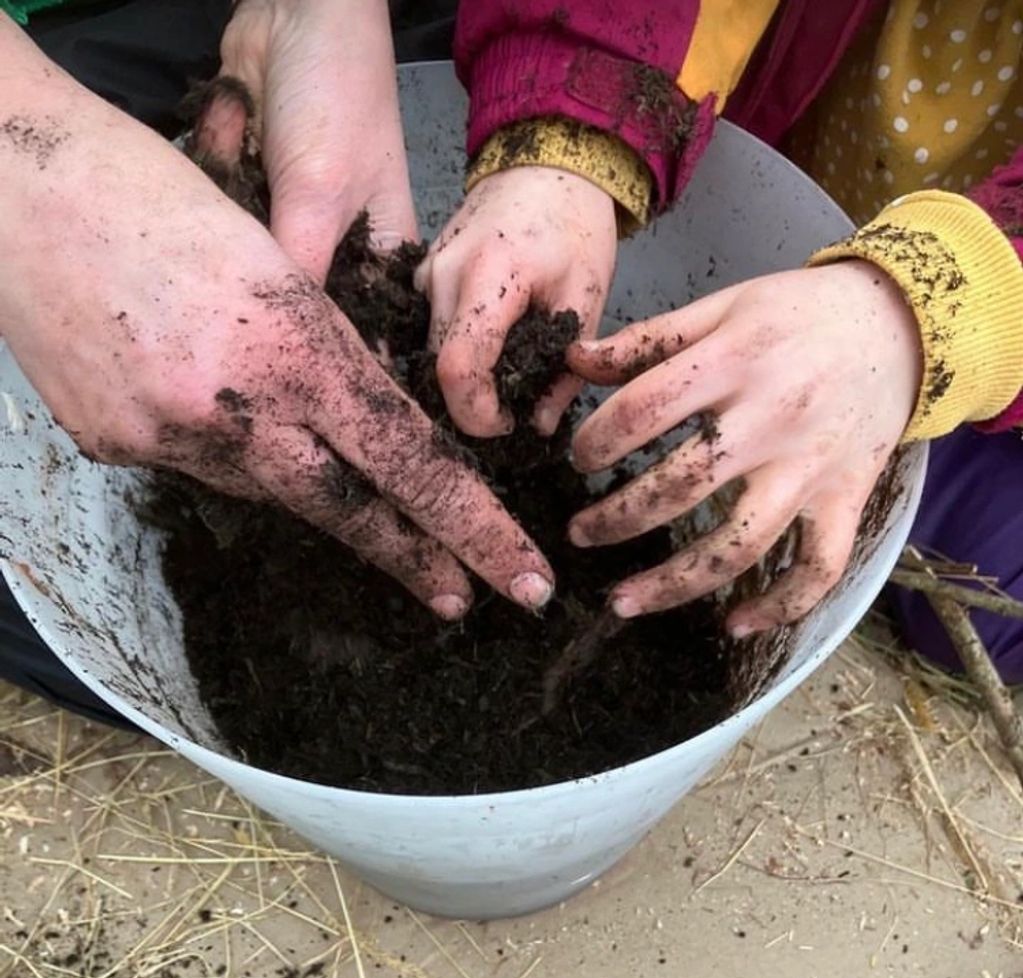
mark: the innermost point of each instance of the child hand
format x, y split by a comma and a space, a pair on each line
525, 235
813, 376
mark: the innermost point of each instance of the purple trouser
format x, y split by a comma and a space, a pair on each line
972, 511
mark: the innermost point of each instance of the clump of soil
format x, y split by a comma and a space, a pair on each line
318, 666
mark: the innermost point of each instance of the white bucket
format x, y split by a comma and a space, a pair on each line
88, 575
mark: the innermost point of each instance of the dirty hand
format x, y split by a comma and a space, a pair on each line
174, 332
525, 235
813, 376
322, 75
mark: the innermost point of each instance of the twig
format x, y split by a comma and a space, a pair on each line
534, 964
576, 656
982, 671
933, 586
979, 667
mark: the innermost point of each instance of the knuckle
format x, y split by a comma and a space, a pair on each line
587, 449
633, 413
679, 486
444, 261
435, 492
830, 574
194, 408
799, 401
822, 576
358, 527
455, 365
744, 553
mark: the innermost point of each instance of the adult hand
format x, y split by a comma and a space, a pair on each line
525, 235
813, 376
323, 80
174, 331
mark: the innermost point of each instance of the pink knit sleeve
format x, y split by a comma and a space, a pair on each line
606, 63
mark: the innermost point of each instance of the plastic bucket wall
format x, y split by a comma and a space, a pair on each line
88, 575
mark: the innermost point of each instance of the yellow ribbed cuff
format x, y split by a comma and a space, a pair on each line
964, 281
599, 156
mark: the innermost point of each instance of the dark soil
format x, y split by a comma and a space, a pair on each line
315, 665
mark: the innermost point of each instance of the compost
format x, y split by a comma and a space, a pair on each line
315, 665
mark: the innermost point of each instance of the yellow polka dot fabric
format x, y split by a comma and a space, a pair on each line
929, 98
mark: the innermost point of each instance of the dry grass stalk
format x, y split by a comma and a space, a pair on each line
733, 858
956, 834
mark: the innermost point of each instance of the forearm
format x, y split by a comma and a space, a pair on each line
40, 106
34, 139
23, 67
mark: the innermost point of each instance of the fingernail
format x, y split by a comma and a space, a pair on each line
532, 590
578, 535
625, 607
450, 607
739, 632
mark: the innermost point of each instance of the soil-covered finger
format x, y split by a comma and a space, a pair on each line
221, 142
650, 406
827, 533
440, 494
585, 293
304, 475
489, 305
760, 516
636, 348
665, 491
551, 407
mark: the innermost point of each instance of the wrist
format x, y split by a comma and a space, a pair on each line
584, 152
963, 280
895, 333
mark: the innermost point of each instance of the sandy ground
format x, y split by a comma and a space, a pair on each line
869, 827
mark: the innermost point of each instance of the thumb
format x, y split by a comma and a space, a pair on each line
392, 216
308, 226
309, 223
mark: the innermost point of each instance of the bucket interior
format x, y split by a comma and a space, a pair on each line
88, 573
